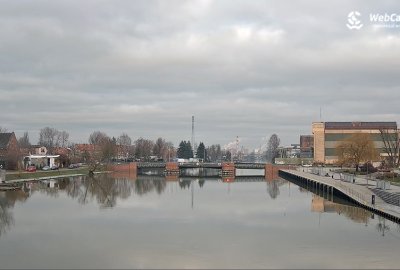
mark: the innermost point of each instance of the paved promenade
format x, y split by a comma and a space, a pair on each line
359, 191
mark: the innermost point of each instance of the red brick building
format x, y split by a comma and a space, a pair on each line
9, 151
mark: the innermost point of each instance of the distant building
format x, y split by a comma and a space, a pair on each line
292, 151
306, 146
327, 135
82, 152
42, 160
34, 150
9, 151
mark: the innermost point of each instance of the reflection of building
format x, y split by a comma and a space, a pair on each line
327, 135
320, 205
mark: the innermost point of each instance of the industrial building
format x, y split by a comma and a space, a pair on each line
306, 146
327, 135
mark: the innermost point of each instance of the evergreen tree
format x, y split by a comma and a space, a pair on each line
188, 150
184, 150
181, 149
201, 151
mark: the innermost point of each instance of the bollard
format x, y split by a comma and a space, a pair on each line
373, 199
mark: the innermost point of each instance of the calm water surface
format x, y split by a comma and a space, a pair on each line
153, 223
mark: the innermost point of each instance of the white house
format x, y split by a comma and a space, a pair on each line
42, 160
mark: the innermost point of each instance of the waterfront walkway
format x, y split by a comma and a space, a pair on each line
357, 191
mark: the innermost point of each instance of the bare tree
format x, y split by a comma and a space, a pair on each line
24, 140
391, 142
96, 137
143, 148
163, 149
124, 140
124, 143
357, 148
170, 151
62, 139
3, 129
48, 137
160, 148
273, 144
108, 149
103, 150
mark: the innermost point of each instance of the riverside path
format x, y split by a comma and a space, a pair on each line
357, 192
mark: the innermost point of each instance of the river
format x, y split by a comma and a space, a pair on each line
189, 223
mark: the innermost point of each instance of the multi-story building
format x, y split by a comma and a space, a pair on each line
327, 135
306, 146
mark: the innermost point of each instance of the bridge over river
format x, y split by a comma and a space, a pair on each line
200, 169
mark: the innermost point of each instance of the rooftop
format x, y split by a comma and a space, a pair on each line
360, 125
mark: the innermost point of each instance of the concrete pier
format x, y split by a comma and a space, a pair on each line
358, 194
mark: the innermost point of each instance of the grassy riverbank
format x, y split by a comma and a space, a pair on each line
38, 174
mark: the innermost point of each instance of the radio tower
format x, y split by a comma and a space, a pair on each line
237, 147
193, 142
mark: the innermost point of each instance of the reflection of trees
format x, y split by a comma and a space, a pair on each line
273, 187
6, 217
183, 184
201, 182
7, 201
160, 185
381, 226
143, 186
102, 189
353, 213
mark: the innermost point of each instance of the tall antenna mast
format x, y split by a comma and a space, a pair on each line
320, 113
237, 147
193, 142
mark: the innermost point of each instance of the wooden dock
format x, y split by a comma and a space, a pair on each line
358, 194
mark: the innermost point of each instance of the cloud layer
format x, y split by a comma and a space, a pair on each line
243, 68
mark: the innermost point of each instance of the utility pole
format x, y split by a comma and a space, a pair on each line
193, 142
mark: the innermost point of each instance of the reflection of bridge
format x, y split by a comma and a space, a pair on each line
193, 178
174, 170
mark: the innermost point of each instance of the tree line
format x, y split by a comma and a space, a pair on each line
106, 148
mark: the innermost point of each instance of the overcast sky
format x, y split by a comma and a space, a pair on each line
243, 68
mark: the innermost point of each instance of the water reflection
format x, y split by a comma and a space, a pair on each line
273, 187
143, 186
7, 202
356, 214
106, 191
382, 227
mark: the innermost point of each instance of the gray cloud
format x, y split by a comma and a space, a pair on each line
243, 68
